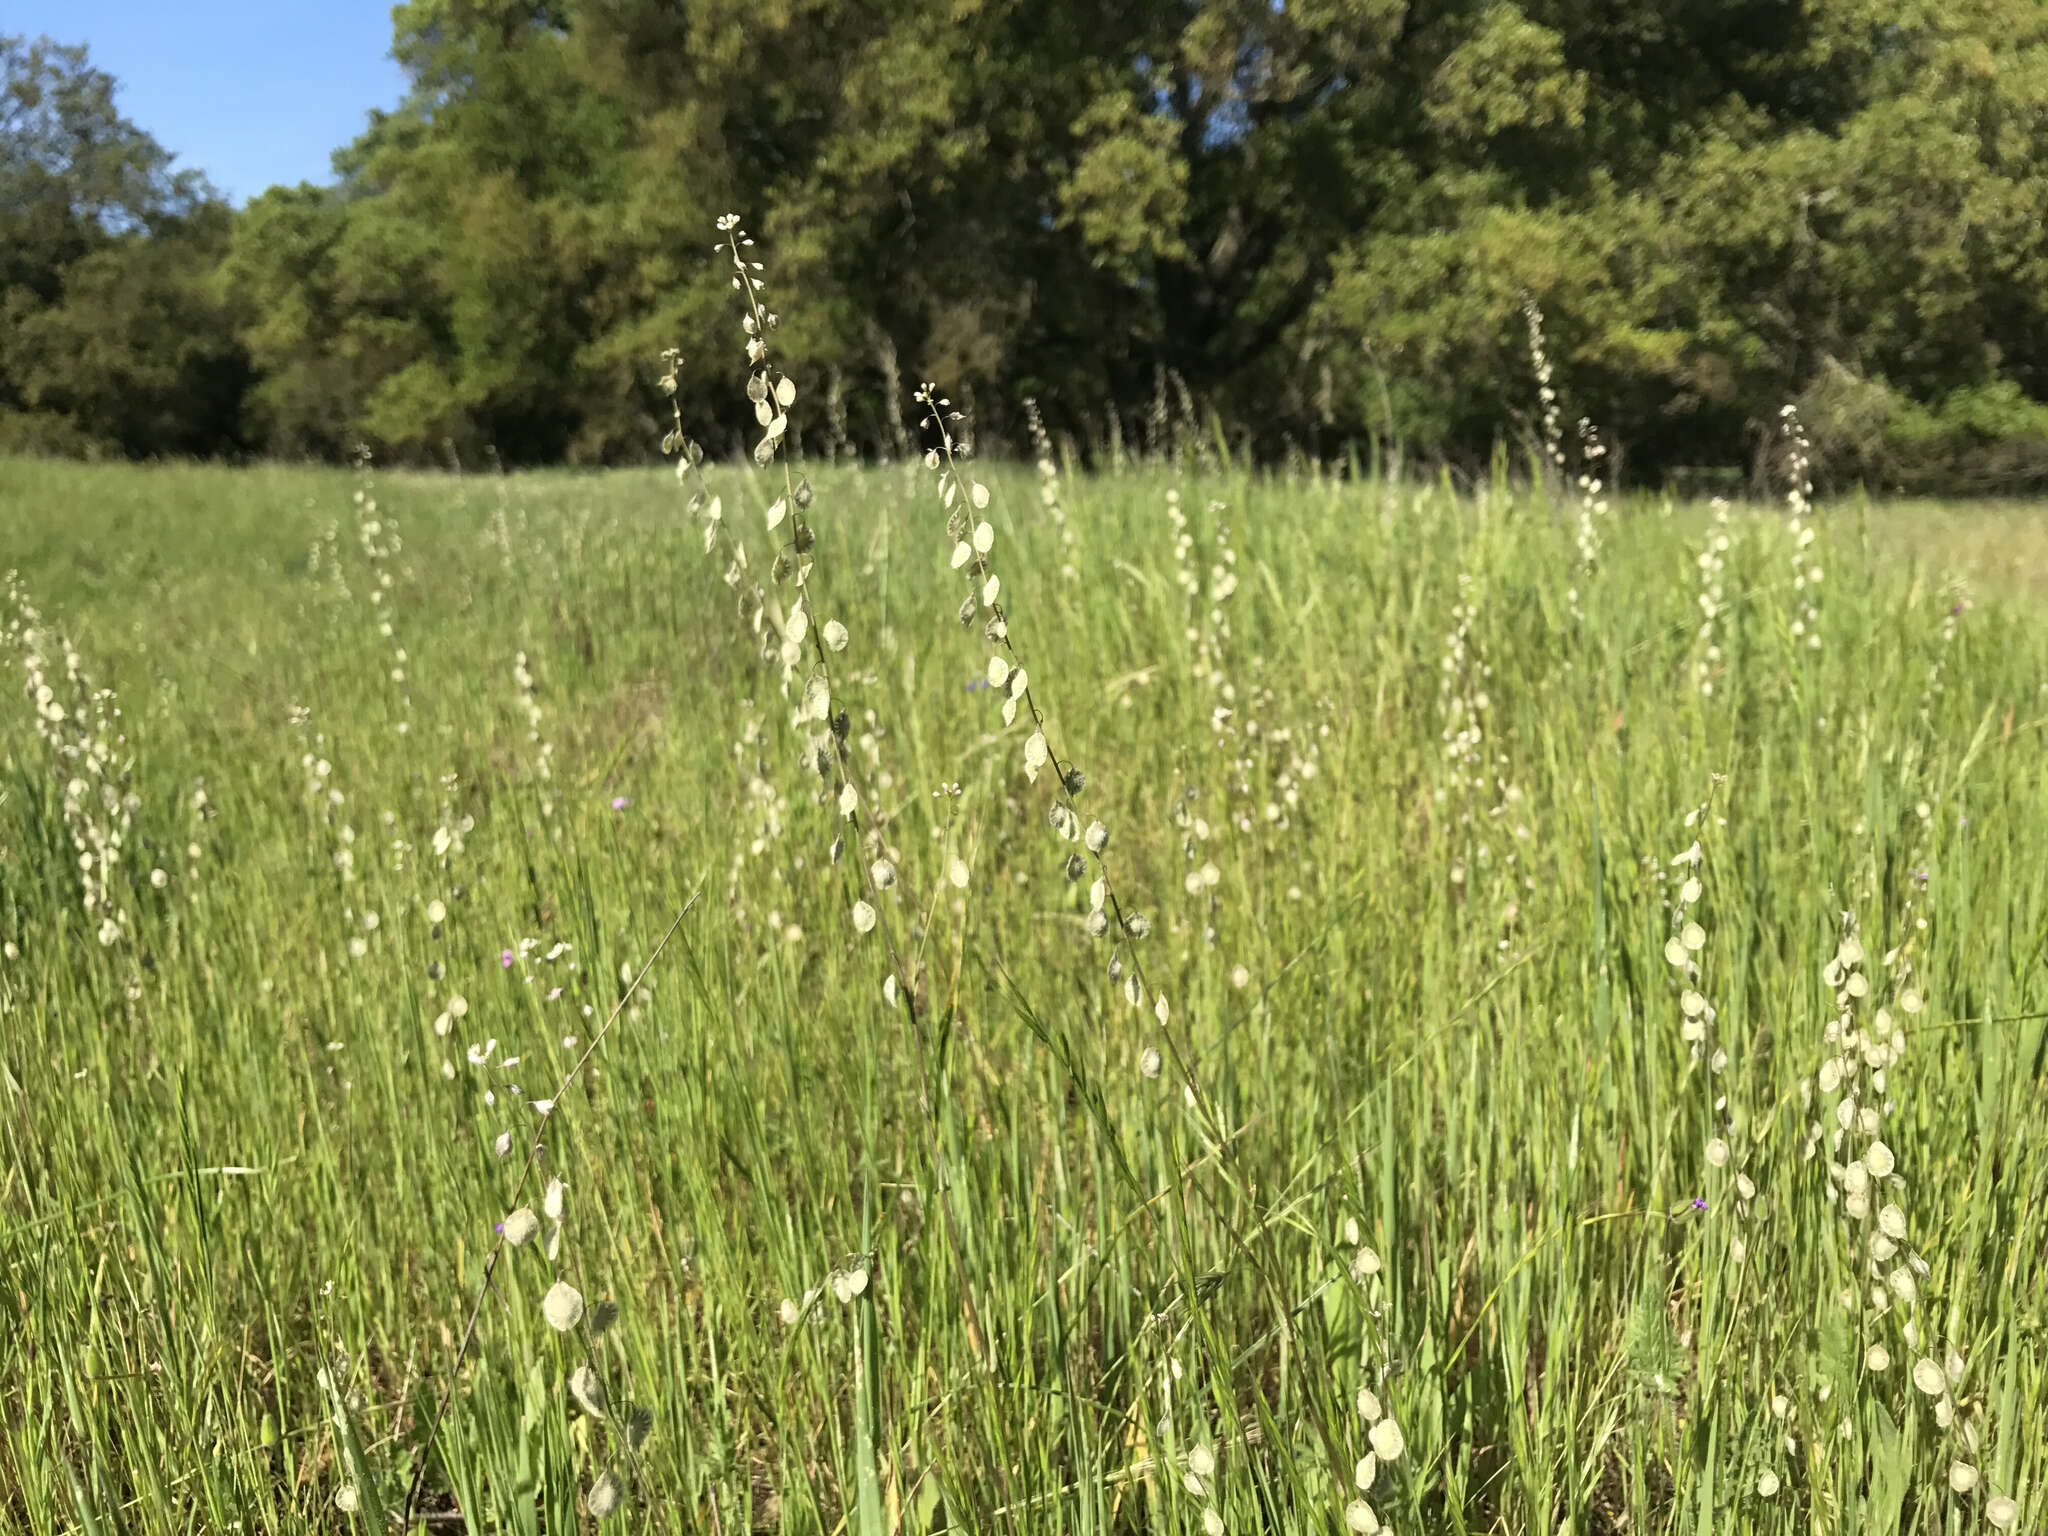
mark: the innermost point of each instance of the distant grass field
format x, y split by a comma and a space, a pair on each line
1492, 1150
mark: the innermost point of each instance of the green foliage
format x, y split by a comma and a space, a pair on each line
113, 338
244, 1207
1320, 219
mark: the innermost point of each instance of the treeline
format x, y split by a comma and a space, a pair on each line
1312, 222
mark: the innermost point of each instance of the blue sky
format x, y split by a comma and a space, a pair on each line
251, 92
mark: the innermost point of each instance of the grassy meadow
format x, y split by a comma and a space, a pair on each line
1548, 1036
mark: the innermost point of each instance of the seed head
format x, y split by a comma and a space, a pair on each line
520, 1227
562, 1306
605, 1495
587, 1390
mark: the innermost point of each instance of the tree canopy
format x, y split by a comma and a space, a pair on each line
1315, 219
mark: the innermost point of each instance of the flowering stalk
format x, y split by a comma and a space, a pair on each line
1713, 565
1806, 576
563, 1306
973, 539
826, 730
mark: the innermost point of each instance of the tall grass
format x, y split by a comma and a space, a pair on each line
1448, 1201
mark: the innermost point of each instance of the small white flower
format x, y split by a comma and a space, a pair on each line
604, 1496
587, 1390
1148, 1062
436, 912
1877, 1358
1387, 1443
2002, 1512
1369, 1405
1097, 837
1359, 1517
1962, 1477
835, 634
1928, 1378
1212, 1522
1766, 1483
520, 1227
1367, 1469
562, 1306
863, 917
1202, 1461
503, 1144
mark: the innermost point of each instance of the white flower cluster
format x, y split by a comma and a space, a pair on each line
1806, 572
378, 537
81, 726
529, 705
1049, 488
1713, 565
1726, 1152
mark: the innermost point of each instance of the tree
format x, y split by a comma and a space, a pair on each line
112, 339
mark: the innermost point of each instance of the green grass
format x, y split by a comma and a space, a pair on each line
244, 1211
